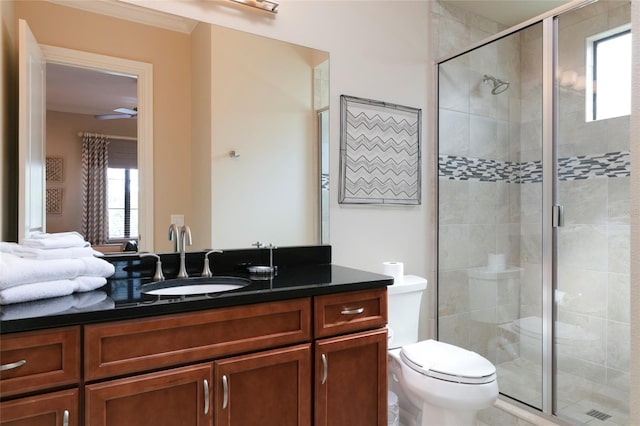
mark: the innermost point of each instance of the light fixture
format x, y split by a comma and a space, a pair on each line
267, 5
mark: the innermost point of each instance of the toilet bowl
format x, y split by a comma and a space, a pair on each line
450, 384
436, 383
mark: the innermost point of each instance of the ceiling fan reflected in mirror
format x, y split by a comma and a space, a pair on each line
122, 113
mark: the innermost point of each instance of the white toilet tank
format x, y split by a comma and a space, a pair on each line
404, 299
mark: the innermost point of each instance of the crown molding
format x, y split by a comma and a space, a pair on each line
129, 12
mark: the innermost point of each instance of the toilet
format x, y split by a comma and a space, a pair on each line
436, 383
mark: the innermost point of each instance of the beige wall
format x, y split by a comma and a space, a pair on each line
169, 52
255, 96
63, 141
201, 146
8, 124
263, 109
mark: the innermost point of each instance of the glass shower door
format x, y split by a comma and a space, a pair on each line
591, 329
489, 208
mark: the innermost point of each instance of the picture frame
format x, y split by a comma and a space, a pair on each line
54, 169
380, 155
54, 200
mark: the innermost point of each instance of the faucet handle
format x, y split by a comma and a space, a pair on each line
258, 244
206, 271
158, 276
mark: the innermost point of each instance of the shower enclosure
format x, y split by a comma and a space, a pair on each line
533, 209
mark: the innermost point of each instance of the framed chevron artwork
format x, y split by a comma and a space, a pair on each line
379, 152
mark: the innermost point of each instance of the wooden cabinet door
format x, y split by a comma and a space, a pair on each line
50, 409
351, 380
180, 396
270, 388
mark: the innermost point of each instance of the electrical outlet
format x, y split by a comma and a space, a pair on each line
178, 219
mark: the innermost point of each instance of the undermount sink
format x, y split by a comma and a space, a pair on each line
194, 286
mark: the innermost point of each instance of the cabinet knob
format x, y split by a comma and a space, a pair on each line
65, 418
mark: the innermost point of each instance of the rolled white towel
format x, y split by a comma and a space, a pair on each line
36, 291
47, 289
48, 254
55, 241
16, 271
88, 283
6, 247
45, 235
96, 267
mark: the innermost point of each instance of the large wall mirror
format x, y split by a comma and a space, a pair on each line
240, 124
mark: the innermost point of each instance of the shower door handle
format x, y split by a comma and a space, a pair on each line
558, 216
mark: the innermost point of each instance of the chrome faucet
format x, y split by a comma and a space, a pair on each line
158, 276
206, 271
185, 238
173, 236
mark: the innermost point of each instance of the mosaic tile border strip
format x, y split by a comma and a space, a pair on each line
611, 165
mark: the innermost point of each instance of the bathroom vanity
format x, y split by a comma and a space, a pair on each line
307, 346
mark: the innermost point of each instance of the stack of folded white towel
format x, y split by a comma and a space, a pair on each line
49, 265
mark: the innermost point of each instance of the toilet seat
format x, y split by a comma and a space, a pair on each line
443, 361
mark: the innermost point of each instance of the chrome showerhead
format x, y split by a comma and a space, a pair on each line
499, 86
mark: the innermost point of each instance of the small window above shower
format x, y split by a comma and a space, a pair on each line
608, 82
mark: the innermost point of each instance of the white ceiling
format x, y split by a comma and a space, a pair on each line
86, 91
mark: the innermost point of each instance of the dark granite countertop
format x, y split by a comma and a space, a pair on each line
297, 276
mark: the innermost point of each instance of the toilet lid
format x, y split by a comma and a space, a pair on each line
447, 362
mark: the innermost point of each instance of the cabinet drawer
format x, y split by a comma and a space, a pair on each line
348, 312
139, 345
39, 360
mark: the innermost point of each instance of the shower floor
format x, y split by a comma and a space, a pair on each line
521, 379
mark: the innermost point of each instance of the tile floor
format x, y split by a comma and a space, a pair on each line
521, 379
